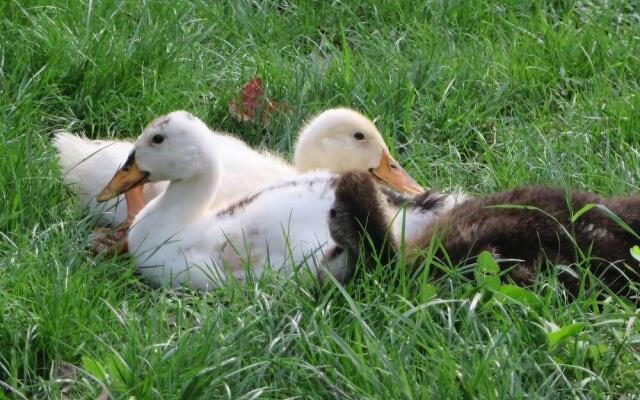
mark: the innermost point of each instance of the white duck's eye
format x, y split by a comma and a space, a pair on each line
358, 136
157, 139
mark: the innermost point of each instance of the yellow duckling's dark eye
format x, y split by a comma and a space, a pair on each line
157, 139
358, 136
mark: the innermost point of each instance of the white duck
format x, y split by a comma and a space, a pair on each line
336, 140
178, 240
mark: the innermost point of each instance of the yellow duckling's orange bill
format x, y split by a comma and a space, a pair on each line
126, 178
390, 172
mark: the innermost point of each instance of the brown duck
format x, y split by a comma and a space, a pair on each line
530, 225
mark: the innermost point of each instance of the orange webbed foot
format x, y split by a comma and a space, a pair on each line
114, 242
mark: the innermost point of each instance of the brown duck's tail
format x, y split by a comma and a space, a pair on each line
358, 219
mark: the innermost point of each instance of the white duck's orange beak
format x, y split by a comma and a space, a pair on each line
126, 178
390, 172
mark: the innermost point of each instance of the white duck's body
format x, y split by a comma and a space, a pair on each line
284, 227
177, 240
337, 140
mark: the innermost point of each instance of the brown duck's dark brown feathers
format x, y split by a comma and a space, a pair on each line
531, 224
535, 223
358, 220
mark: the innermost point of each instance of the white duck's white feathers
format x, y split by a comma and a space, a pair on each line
284, 226
178, 240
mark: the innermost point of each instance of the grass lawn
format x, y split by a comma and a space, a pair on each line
483, 95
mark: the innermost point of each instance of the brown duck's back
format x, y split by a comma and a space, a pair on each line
532, 223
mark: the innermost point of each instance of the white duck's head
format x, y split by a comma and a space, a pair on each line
174, 147
342, 140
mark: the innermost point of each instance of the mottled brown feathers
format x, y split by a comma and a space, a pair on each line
528, 226
542, 229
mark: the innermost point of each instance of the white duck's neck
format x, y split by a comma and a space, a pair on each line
191, 197
184, 200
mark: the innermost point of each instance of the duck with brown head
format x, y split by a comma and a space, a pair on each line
529, 226
372, 221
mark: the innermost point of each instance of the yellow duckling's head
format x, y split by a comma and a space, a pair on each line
176, 146
341, 140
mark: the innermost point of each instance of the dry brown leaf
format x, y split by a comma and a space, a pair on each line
251, 97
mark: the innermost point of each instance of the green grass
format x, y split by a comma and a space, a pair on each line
484, 95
